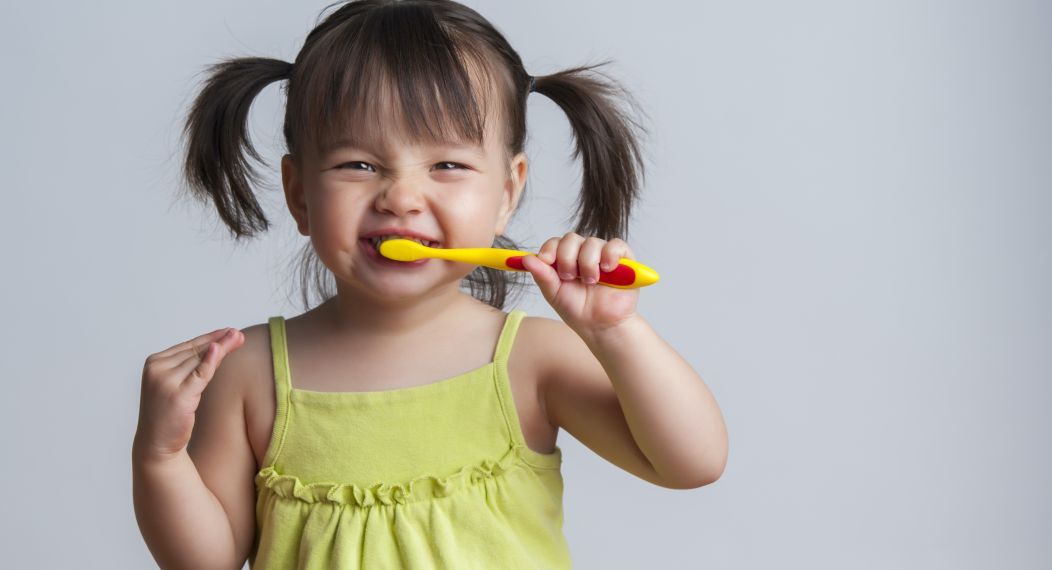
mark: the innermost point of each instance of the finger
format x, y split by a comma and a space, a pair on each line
198, 343
194, 355
544, 275
547, 251
196, 372
566, 255
232, 335
199, 367
615, 250
588, 259
197, 350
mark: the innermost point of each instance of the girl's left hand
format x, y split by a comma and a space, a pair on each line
585, 306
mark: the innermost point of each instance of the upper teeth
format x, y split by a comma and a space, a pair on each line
380, 239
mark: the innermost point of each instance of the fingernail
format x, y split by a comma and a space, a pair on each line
590, 280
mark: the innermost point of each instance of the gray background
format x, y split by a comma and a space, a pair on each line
861, 191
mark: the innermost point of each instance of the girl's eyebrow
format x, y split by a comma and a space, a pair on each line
472, 149
351, 144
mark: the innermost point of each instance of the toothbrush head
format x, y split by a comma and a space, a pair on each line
400, 249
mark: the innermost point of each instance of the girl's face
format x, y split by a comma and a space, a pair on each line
458, 196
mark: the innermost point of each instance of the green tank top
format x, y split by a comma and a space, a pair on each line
431, 476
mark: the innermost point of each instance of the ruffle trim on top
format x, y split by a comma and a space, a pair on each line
418, 489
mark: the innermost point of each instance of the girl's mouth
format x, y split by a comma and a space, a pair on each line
373, 254
377, 240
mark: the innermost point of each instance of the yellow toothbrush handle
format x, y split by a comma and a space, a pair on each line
629, 274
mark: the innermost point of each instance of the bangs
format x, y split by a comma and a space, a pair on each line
394, 64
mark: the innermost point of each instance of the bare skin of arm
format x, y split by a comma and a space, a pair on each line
193, 494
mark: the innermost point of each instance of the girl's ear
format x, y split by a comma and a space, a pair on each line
513, 186
294, 197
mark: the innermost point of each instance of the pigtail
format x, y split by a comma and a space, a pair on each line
216, 134
605, 141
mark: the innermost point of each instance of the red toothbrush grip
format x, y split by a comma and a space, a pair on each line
621, 275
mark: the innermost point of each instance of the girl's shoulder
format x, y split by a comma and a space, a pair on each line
535, 333
539, 339
255, 373
541, 344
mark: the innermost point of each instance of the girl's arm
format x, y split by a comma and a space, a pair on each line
183, 523
195, 506
611, 381
631, 398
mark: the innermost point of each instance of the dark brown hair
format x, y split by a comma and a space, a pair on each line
374, 52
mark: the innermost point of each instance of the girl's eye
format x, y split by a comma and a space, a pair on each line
450, 166
365, 166
355, 162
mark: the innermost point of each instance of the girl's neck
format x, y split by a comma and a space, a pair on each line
347, 314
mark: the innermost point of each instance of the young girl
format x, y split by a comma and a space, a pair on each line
403, 422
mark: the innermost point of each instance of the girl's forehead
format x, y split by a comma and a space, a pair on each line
390, 146
390, 135
378, 109
387, 114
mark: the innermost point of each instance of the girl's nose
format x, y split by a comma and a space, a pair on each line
400, 197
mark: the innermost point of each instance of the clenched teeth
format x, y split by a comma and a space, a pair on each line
380, 239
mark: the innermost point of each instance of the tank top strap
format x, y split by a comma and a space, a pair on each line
282, 389
507, 338
502, 381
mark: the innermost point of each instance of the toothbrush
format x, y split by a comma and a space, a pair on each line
629, 274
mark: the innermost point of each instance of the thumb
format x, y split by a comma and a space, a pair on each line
545, 275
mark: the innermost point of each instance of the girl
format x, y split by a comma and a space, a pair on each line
351, 436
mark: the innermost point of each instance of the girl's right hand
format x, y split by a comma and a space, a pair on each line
172, 383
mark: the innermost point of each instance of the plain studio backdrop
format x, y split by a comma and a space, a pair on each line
849, 205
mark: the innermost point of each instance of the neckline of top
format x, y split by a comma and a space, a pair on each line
391, 393
394, 393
